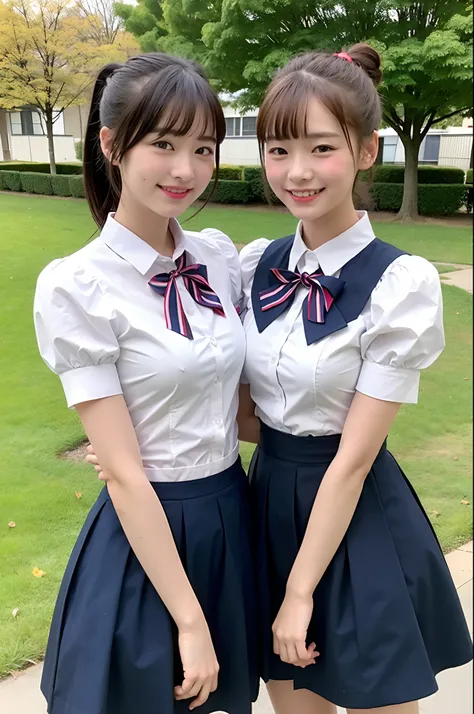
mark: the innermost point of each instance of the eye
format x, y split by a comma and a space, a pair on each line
165, 145
278, 151
205, 151
323, 149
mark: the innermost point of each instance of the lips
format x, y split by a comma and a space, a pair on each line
306, 195
175, 192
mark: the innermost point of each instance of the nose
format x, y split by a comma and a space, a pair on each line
182, 167
300, 169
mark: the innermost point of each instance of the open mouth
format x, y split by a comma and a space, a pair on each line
307, 195
175, 191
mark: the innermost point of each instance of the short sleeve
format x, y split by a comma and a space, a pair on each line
229, 251
404, 330
74, 333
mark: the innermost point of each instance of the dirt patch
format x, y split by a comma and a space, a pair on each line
77, 453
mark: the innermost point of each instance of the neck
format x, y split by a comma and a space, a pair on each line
321, 230
148, 226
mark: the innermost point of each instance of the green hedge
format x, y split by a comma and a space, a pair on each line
11, 180
228, 192
76, 186
228, 172
426, 174
253, 175
2, 182
60, 185
469, 176
32, 182
79, 148
62, 169
433, 200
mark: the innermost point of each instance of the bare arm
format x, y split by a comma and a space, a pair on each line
249, 425
367, 425
109, 427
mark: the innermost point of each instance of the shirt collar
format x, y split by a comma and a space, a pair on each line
138, 252
333, 255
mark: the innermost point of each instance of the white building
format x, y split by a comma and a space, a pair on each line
23, 138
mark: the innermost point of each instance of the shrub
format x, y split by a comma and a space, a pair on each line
27, 180
2, 184
229, 192
384, 173
62, 168
253, 175
433, 200
229, 173
76, 186
469, 176
42, 184
11, 180
79, 148
60, 185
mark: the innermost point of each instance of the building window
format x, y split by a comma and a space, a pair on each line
26, 123
249, 126
232, 126
389, 149
431, 149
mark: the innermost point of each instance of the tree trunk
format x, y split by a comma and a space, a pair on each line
49, 131
409, 207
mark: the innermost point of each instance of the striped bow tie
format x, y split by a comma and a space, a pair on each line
323, 289
196, 283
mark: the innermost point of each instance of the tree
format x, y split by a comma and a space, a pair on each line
426, 47
47, 59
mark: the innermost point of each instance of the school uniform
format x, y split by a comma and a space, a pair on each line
356, 314
119, 318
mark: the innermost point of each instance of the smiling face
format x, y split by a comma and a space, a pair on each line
314, 174
165, 172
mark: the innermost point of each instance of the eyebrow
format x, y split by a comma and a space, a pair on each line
164, 132
314, 135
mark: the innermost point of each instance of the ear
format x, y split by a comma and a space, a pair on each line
368, 151
106, 141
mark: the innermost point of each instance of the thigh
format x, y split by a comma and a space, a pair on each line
286, 700
408, 708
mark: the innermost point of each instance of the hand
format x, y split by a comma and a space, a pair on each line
199, 662
290, 629
91, 458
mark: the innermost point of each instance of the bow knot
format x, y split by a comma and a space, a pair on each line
196, 283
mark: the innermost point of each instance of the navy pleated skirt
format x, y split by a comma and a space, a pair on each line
113, 646
387, 617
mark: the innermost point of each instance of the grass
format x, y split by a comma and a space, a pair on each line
446, 268
38, 490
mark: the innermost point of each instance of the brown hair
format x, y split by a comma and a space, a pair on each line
134, 98
347, 88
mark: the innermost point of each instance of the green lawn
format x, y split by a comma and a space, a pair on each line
38, 490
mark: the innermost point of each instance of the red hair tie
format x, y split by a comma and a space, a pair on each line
343, 55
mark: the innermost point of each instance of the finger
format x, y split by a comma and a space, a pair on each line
276, 645
292, 653
102, 476
191, 688
92, 459
284, 654
303, 653
98, 469
203, 696
89, 448
214, 684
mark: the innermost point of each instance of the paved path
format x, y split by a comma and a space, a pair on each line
461, 277
22, 696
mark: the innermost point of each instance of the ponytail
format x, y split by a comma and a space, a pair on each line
102, 180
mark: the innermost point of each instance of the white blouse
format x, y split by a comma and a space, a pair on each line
305, 389
101, 328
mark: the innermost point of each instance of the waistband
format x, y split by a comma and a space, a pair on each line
301, 449
197, 488
191, 473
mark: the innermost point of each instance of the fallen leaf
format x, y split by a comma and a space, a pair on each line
435, 514
15, 611
38, 573
455, 458
464, 502
466, 379
78, 494
12, 524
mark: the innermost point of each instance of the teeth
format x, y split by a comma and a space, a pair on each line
305, 194
176, 190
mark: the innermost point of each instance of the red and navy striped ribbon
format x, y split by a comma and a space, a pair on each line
319, 298
196, 283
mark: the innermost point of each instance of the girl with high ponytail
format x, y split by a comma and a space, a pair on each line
156, 611
356, 604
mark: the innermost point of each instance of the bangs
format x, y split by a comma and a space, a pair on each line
283, 114
175, 102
